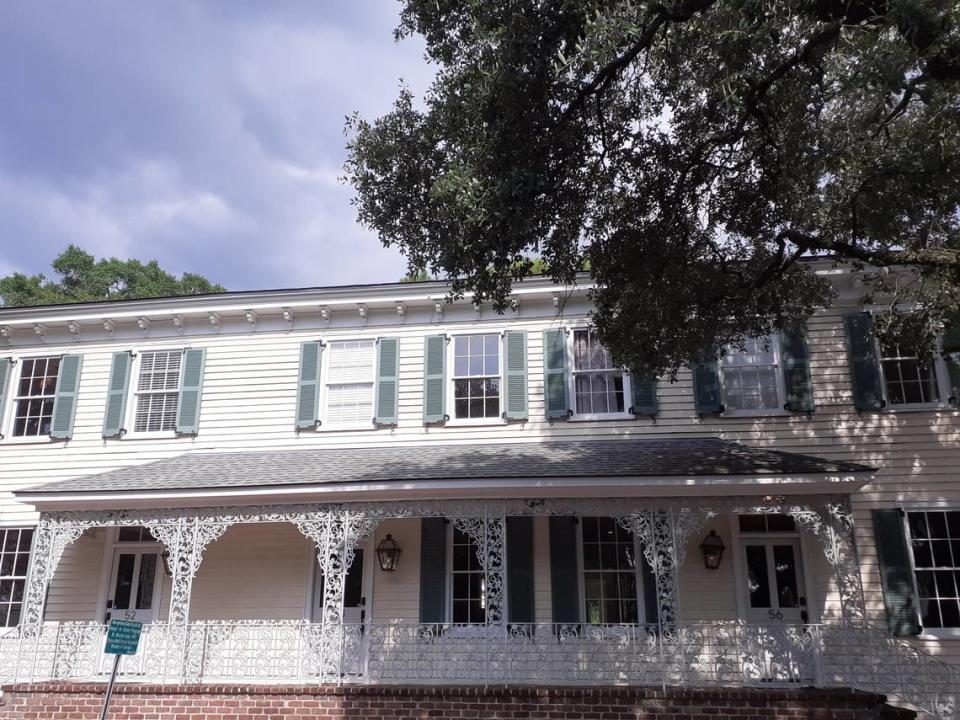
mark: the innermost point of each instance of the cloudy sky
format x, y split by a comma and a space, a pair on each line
207, 135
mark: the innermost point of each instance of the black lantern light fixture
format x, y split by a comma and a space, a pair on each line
712, 548
388, 554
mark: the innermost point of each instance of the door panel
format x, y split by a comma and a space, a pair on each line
134, 585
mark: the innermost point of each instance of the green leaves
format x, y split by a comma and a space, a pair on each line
693, 152
85, 279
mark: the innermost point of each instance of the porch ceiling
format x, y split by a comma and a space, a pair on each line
626, 466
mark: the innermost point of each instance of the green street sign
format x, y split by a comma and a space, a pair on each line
123, 637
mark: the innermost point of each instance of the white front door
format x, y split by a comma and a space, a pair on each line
134, 585
774, 576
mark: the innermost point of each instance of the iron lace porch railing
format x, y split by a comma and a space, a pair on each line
728, 654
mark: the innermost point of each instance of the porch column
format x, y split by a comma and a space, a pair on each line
185, 539
832, 523
51, 538
488, 533
336, 534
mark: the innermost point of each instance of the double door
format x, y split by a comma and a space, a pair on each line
775, 591
134, 592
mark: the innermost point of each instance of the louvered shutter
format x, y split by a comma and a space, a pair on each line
564, 583
433, 570
434, 379
864, 366
644, 394
191, 389
520, 607
387, 381
515, 343
895, 572
308, 385
555, 389
5, 366
117, 389
65, 402
795, 359
706, 388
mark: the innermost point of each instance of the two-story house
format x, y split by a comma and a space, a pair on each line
370, 486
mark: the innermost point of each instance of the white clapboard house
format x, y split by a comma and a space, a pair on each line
368, 484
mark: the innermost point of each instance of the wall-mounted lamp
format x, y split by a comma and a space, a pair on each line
388, 554
712, 548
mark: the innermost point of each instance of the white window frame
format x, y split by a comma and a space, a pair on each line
941, 377
776, 349
448, 612
637, 571
8, 412
452, 378
572, 384
132, 394
325, 359
928, 633
26, 577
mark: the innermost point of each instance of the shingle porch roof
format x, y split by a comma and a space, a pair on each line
616, 458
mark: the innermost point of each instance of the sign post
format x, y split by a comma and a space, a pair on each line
123, 638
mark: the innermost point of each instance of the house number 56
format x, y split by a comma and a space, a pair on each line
775, 614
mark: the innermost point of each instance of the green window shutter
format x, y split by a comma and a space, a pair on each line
434, 379
191, 388
520, 607
5, 365
433, 570
564, 583
895, 572
795, 359
555, 374
864, 365
706, 388
644, 394
388, 363
308, 385
515, 351
65, 402
117, 389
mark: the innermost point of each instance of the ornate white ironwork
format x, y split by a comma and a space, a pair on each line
726, 654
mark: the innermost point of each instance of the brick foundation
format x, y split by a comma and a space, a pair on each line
47, 701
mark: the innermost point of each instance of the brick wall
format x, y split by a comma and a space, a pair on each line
155, 702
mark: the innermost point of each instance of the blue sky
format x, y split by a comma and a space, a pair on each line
207, 135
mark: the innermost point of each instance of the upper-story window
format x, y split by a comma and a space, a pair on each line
600, 388
349, 383
476, 376
907, 378
34, 396
157, 391
751, 378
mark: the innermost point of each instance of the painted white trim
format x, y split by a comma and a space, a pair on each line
941, 378
8, 414
132, 395
450, 409
456, 488
776, 343
325, 425
572, 384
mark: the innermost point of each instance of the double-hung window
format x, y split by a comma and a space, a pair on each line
600, 388
476, 377
468, 594
157, 391
907, 378
34, 395
935, 547
349, 384
610, 586
14, 564
751, 378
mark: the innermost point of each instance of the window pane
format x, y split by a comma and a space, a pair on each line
124, 587
610, 580
34, 400
350, 404
938, 589
909, 379
785, 569
145, 580
758, 582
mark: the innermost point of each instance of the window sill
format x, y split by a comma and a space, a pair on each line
165, 435
38, 440
345, 428
600, 417
474, 422
940, 634
926, 407
756, 413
